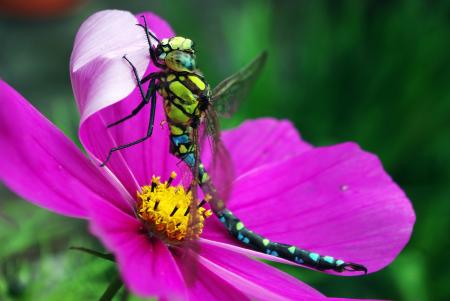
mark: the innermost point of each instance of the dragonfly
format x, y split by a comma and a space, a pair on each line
191, 108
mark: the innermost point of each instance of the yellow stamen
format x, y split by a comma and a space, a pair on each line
165, 211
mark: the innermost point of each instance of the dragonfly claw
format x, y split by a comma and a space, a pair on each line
353, 267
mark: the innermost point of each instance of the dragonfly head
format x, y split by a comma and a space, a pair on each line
177, 54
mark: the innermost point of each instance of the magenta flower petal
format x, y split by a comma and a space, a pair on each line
100, 76
344, 299
254, 254
261, 141
146, 265
41, 164
334, 200
134, 166
208, 285
257, 280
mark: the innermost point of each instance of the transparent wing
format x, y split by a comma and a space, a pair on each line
189, 249
234, 89
194, 217
191, 245
221, 168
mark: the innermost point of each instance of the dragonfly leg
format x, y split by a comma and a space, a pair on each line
151, 93
150, 47
145, 97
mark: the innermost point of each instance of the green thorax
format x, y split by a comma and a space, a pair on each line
183, 95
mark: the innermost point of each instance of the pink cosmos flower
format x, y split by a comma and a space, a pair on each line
334, 200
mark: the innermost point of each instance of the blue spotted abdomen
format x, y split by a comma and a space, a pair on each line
292, 253
183, 148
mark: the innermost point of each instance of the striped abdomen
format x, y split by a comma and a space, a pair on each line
292, 253
185, 99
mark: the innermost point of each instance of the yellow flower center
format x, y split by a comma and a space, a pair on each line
165, 211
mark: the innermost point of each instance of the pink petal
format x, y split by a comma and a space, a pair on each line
207, 285
255, 279
253, 143
39, 163
254, 254
344, 299
100, 76
260, 141
135, 165
336, 201
146, 264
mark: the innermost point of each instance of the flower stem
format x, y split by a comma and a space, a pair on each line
106, 256
112, 289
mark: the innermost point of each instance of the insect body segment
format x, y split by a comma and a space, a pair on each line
183, 95
185, 98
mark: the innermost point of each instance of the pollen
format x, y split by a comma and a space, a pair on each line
165, 211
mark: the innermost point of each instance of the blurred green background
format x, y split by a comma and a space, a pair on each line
374, 72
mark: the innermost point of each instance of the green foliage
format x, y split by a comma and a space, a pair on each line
374, 72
